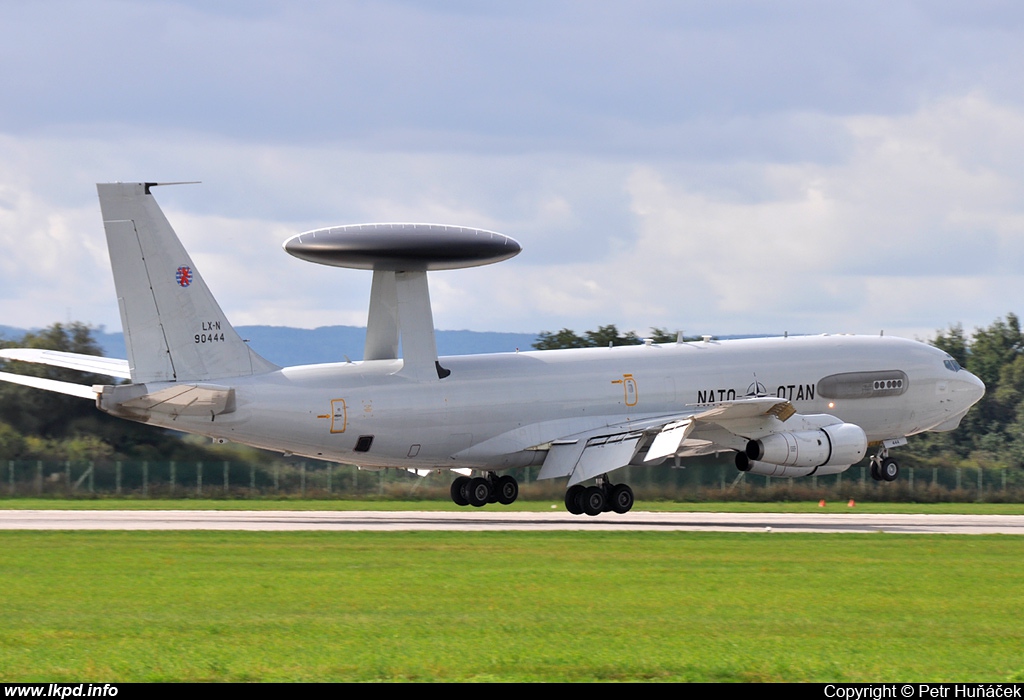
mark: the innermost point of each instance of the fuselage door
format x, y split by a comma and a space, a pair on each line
629, 390
339, 416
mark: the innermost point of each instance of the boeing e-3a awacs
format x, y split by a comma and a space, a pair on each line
792, 406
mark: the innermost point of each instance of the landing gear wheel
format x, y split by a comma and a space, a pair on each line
459, 488
622, 499
889, 469
508, 490
594, 500
478, 492
574, 499
875, 474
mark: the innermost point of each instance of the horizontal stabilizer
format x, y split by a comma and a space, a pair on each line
93, 364
80, 390
186, 400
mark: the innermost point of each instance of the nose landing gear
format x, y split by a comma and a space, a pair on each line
884, 467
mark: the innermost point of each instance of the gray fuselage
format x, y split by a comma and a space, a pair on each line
499, 411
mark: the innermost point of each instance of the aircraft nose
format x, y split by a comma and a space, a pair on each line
969, 387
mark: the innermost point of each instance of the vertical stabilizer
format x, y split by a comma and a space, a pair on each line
174, 330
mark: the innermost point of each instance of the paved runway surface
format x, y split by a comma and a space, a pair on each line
481, 520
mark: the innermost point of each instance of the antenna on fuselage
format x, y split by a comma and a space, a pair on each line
400, 256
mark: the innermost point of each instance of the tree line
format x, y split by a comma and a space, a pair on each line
43, 425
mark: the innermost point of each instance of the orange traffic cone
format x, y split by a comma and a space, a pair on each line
851, 504
821, 503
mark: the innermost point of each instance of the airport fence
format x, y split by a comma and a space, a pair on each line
720, 482
688, 482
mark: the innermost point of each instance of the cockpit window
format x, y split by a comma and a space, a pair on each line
952, 365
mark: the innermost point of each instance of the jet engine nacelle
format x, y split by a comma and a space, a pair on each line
765, 469
839, 444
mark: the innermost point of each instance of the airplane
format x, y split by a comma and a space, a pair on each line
788, 406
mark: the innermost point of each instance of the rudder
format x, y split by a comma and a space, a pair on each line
174, 330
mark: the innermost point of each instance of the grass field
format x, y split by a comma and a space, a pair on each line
240, 606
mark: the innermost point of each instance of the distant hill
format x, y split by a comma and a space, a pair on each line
303, 346
300, 346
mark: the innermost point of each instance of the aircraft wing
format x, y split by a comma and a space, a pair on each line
723, 426
727, 425
93, 364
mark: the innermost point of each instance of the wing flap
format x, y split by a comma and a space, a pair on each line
590, 455
668, 441
604, 454
562, 458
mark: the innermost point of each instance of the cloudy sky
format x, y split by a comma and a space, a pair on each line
719, 167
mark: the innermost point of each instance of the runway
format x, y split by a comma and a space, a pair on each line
496, 520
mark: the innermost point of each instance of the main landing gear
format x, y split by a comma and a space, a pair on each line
884, 467
594, 500
480, 490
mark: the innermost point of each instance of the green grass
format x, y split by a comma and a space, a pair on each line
522, 505
505, 606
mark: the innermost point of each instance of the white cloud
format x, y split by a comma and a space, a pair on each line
48, 268
907, 232
723, 168
912, 232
